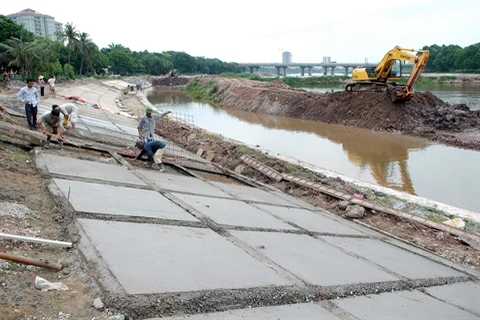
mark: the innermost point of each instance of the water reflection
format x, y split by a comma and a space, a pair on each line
385, 154
392, 160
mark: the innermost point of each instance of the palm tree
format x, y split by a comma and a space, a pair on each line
17, 52
86, 49
70, 35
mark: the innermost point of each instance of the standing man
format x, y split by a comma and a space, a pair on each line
70, 112
146, 126
52, 119
41, 84
28, 95
154, 150
51, 85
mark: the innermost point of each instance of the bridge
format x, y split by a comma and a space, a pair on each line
254, 67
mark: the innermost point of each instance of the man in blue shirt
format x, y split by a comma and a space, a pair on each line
154, 150
28, 95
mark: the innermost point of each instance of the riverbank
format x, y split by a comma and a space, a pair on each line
425, 115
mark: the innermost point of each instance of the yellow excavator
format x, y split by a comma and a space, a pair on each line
383, 76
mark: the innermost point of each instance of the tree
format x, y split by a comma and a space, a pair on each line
17, 52
86, 48
70, 36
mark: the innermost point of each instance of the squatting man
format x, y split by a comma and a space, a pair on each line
52, 119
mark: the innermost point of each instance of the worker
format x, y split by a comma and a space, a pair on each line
154, 150
70, 112
52, 119
146, 126
29, 96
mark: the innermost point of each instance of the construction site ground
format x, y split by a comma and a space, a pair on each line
198, 239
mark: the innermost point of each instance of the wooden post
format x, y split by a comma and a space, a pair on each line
38, 263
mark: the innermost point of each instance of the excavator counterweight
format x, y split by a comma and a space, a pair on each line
383, 77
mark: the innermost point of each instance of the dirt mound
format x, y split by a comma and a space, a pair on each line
167, 81
423, 115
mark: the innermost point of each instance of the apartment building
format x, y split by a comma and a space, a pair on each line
37, 23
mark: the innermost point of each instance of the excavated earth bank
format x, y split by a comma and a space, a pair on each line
425, 115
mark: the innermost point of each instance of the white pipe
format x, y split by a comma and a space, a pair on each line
36, 240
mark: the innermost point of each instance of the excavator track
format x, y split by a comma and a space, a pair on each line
392, 89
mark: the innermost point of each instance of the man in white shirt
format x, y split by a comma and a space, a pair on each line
70, 112
51, 85
28, 95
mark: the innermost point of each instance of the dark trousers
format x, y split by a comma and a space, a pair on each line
42, 91
54, 131
31, 113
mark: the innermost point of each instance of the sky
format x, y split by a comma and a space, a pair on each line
260, 30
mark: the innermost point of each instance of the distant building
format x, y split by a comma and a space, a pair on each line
327, 59
286, 57
37, 23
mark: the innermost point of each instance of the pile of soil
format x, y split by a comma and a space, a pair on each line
168, 81
425, 115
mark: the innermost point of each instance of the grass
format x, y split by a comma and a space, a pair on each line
436, 218
241, 150
314, 81
299, 171
9, 267
21, 156
197, 91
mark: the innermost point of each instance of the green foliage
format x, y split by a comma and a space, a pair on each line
453, 58
68, 71
10, 266
314, 81
197, 91
299, 171
435, 217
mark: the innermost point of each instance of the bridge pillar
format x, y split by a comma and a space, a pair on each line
285, 72
278, 70
346, 71
302, 71
324, 71
252, 69
310, 71
333, 71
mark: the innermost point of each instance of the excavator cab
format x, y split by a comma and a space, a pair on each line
385, 75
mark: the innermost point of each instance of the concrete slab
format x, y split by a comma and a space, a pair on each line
232, 212
287, 312
158, 258
400, 261
298, 202
310, 220
252, 194
90, 169
100, 198
312, 260
183, 184
465, 295
412, 305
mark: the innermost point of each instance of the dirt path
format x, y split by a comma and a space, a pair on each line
425, 115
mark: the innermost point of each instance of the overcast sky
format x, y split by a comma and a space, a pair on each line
259, 30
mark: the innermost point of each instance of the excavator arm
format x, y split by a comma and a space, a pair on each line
420, 62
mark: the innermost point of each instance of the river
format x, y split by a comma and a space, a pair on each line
446, 174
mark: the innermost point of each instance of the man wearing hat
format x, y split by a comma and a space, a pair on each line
41, 84
146, 126
154, 150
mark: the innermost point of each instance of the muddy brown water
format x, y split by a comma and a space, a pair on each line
446, 174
